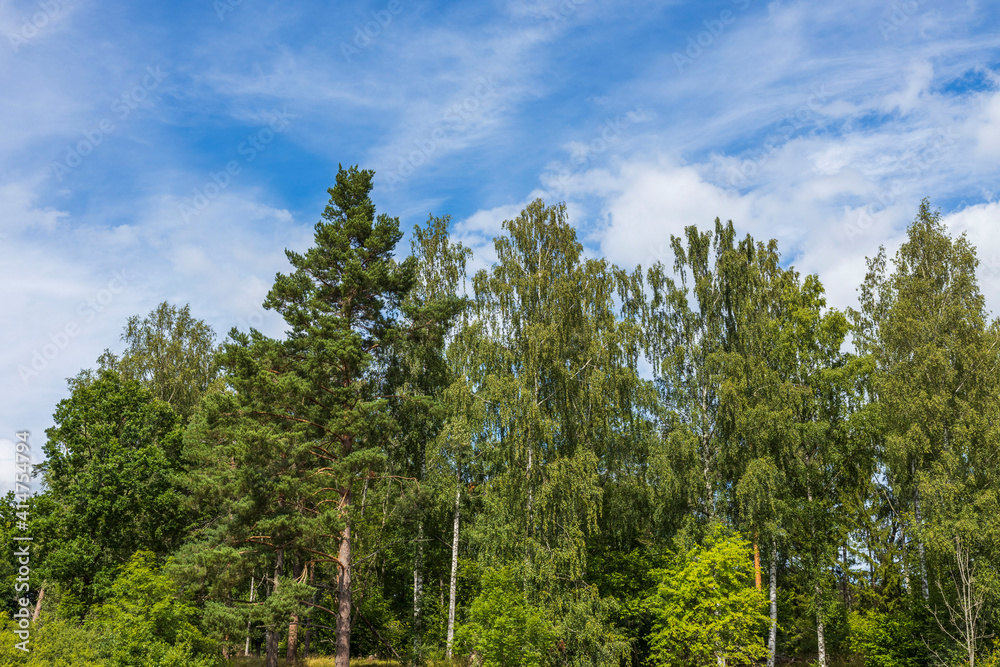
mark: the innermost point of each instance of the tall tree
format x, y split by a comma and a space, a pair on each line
419, 374
111, 478
741, 345
821, 467
456, 443
784, 417
689, 330
754, 406
934, 390
558, 373
320, 385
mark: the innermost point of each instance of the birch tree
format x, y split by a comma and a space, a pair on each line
934, 387
689, 328
419, 375
171, 353
555, 367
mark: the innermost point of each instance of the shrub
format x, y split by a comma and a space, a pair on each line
887, 639
706, 606
145, 625
504, 629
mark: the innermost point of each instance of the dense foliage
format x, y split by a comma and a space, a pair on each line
556, 462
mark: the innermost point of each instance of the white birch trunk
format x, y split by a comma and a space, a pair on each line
253, 588
924, 588
772, 635
820, 630
418, 590
454, 573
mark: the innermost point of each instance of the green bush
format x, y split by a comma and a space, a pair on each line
504, 629
706, 606
145, 625
887, 639
54, 642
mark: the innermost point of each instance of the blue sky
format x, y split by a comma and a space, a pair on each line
172, 151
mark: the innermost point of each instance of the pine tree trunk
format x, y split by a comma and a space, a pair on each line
38, 604
271, 649
308, 638
343, 658
454, 573
291, 655
772, 635
292, 650
273, 637
756, 563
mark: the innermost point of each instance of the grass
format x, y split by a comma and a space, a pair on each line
324, 661
327, 661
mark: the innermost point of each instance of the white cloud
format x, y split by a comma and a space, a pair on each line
982, 225
478, 231
20, 211
988, 132
651, 202
910, 96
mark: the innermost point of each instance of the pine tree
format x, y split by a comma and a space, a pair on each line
316, 391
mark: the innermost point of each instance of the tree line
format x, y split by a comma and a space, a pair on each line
555, 461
